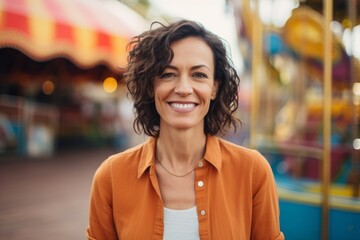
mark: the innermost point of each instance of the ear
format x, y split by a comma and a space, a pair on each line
214, 90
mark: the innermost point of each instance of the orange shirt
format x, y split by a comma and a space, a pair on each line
236, 196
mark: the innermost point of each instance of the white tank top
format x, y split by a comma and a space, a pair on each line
181, 224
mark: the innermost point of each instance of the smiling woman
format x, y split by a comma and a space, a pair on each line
183, 182
184, 90
155, 46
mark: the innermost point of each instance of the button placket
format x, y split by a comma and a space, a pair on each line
200, 184
201, 197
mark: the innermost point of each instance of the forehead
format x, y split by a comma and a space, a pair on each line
192, 49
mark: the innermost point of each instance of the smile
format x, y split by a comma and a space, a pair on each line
182, 105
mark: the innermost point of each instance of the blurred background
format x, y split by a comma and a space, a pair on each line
64, 106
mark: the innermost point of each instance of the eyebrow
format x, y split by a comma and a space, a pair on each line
192, 68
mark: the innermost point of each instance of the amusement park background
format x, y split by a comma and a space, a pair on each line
64, 107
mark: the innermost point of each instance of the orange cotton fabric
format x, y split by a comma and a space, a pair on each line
238, 198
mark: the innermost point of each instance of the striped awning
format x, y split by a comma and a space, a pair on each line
88, 32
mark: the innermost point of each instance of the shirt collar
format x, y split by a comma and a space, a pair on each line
212, 154
147, 155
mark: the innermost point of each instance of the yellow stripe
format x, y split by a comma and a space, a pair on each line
85, 44
41, 25
315, 199
302, 197
118, 51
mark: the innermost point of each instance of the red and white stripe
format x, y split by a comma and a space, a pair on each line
88, 32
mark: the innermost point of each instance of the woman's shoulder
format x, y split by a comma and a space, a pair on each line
127, 154
241, 154
126, 159
231, 148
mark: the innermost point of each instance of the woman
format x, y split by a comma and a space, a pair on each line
183, 182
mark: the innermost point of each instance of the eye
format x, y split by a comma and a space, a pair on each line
199, 75
167, 75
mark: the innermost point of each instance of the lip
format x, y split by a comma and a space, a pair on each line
183, 107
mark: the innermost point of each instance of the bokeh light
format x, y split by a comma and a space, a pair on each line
110, 85
356, 88
48, 87
356, 143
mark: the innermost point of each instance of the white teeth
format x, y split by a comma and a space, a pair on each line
182, 106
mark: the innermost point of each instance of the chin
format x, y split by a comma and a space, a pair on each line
184, 125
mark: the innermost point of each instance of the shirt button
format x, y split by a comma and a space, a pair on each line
202, 212
200, 164
200, 183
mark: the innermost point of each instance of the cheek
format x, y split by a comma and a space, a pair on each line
157, 91
208, 93
160, 95
162, 88
157, 101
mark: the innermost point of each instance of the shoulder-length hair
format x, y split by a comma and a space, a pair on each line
149, 55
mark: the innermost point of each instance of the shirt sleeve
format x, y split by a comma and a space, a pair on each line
101, 225
265, 216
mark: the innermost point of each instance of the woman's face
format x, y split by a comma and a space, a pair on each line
184, 90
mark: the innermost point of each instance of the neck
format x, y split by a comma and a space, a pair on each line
180, 148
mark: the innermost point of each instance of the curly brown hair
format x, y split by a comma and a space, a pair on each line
150, 53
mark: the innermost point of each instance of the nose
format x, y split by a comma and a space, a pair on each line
183, 86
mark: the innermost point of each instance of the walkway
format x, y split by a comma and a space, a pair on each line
48, 198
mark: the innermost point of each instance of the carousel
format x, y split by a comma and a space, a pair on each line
303, 73
59, 73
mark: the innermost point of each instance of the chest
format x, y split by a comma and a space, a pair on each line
221, 210
177, 192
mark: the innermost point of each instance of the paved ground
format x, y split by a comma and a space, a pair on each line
47, 198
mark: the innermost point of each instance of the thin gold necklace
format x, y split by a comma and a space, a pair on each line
175, 175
